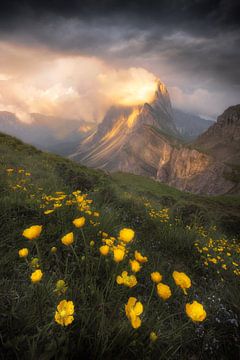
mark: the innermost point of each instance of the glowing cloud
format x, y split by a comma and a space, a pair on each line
73, 86
133, 86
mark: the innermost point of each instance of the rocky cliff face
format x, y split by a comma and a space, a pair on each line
144, 141
193, 171
107, 147
222, 139
210, 166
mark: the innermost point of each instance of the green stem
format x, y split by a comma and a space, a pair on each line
86, 250
150, 297
38, 252
66, 268
57, 262
75, 254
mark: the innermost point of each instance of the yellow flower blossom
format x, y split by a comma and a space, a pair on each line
104, 250
156, 277
80, 222
53, 250
163, 291
140, 258
64, 313
35, 263
79, 199
36, 276
127, 280
133, 310
108, 242
46, 212
92, 243
61, 287
32, 232
23, 253
68, 239
195, 311
182, 280
153, 336
135, 266
126, 235
118, 255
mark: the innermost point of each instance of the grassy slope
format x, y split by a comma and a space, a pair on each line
222, 210
120, 199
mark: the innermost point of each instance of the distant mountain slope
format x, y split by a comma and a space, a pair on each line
46, 132
190, 126
211, 163
108, 148
222, 139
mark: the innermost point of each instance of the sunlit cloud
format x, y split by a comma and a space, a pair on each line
69, 86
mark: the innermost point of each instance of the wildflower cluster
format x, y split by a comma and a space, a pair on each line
162, 215
219, 254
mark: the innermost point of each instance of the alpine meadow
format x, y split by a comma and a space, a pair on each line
120, 180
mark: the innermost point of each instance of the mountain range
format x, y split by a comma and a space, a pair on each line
145, 140
153, 139
50, 133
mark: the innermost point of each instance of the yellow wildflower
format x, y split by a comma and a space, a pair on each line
182, 280
80, 222
108, 242
92, 243
61, 287
140, 258
133, 310
32, 232
156, 277
195, 311
79, 199
36, 276
64, 313
127, 280
46, 212
153, 336
68, 239
126, 235
35, 263
118, 255
23, 253
163, 291
104, 250
53, 250
135, 266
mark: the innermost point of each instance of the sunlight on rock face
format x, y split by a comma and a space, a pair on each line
132, 118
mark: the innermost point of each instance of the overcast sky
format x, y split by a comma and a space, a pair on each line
76, 58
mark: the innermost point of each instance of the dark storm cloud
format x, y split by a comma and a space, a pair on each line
199, 39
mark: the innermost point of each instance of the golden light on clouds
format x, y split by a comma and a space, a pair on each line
134, 86
36, 80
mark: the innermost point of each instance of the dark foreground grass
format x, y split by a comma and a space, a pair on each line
170, 238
